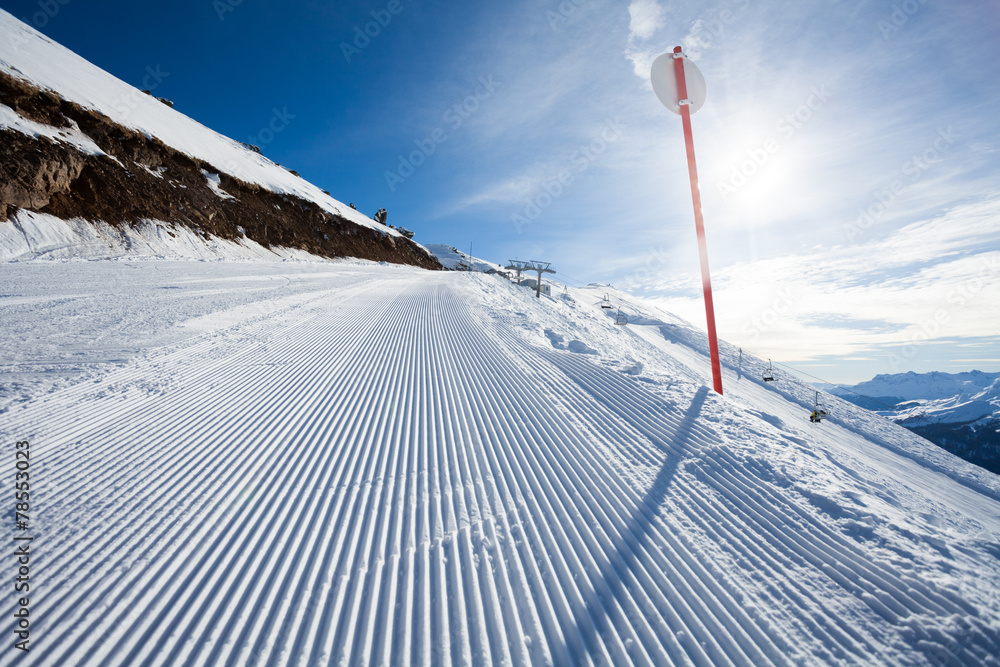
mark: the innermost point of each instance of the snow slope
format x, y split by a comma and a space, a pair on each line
33, 235
452, 258
310, 464
28, 55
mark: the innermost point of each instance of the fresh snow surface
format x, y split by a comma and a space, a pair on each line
29, 235
28, 55
451, 258
297, 463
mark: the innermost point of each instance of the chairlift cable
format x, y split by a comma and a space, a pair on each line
835, 384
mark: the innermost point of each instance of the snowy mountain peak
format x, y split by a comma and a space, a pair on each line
933, 385
958, 411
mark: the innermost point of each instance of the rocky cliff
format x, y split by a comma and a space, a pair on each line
129, 176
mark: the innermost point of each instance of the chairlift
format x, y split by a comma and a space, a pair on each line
818, 413
621, 318
606, 303
769, 372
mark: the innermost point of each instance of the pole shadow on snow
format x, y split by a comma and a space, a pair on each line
637, 537
674, 434
636, 546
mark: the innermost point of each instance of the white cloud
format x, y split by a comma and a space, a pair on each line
645, 18
929, 281
642, 61
513, 190
696, 40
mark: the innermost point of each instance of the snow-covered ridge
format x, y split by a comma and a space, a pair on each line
30, 56
918, 399
452, 258
915, 386
960, 412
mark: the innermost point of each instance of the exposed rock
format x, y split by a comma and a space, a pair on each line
144, 179
32, 171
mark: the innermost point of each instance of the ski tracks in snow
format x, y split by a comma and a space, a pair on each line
385, 476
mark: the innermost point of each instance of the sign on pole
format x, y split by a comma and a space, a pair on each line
680, 86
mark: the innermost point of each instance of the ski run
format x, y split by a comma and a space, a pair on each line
297, 463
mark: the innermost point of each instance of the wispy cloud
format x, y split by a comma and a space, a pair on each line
928, 280
645, 18
508, 191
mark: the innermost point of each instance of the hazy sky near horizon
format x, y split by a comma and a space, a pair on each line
849, 151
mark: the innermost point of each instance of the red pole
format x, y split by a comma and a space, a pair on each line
706, 280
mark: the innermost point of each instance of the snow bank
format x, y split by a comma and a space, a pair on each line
30, 235
451, 258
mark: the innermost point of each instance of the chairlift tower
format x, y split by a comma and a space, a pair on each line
516, 265
540, 267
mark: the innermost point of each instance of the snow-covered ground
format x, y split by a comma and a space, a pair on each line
315, 463
453, 258
29, 235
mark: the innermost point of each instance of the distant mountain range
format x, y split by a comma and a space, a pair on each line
957, 411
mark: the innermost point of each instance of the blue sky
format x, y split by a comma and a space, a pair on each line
849, 152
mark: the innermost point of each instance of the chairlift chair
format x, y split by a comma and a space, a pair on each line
769, 372
818, 413
606, 302
621, 318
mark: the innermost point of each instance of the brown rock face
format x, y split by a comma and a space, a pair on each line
31, 181
144, 179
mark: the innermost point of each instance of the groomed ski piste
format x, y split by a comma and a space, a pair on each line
298, 463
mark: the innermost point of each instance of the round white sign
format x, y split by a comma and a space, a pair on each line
664, 79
